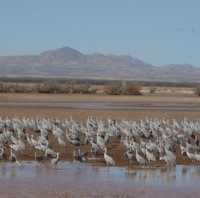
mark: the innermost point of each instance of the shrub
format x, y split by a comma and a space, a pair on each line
8, 88
152, 89
113, 88
17, 88
66, 88
84, 89
132, 89
197, 90
49, 86
122, 88
93, 90
1, 87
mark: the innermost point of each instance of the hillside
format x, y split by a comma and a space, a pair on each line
67, 62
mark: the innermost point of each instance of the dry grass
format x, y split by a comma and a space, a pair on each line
99, 98
186, 90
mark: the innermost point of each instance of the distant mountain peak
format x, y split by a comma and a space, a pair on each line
66, 53
67, 62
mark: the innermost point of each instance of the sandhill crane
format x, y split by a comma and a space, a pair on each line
15, 147
197, 156
38, 158
13, 158
29, 140
170, 154
108, 159
75, 142
72, 136
3, 153
21, 144
130, 155
169, 160
77, 157
57, 131
192, 156
152, 146
62, 142
140, 159
150, 156
94, 145
83, 154
197, 145
50, 153
100, 142
21, 131
189, 145
183, 149
54, 161
143, 143
35, 142
95, 153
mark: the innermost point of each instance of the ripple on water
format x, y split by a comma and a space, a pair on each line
115, 106
78, 180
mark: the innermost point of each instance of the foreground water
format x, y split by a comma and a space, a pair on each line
78, 180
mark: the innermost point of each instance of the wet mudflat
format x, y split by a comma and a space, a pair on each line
78, 180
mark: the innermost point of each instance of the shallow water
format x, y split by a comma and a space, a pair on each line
79, 180
146, 106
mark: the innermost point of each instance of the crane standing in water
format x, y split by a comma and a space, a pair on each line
108, 159
13, 158
54, 161
38, 159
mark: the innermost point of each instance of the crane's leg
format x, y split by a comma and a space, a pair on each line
18, 163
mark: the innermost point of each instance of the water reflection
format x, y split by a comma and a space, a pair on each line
77, 180
115, 106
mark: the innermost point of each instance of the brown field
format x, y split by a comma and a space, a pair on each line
115, 147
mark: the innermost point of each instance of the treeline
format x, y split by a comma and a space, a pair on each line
33, 79
72, 87
55, 87
48, 86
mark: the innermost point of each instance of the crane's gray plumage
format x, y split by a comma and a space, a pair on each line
169, 160
140, 159
77, 157
3, 153
54, 161
156, 138
13, 158
38, 158
108, 159
150, 156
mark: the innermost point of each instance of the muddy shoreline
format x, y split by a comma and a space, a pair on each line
30, 181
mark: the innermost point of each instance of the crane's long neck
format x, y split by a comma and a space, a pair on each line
105, 152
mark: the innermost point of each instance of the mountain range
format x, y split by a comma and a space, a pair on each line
69, 63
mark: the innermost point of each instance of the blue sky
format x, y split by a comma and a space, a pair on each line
158, 32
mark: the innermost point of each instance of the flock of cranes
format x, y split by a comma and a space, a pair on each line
145, 142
